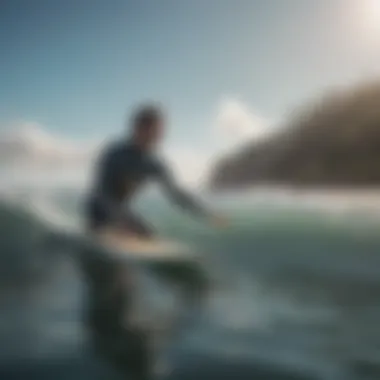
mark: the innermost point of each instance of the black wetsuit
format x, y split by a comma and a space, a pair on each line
122, 169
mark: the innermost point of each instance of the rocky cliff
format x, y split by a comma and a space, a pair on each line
331, 142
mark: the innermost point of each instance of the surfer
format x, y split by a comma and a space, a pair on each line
123, 168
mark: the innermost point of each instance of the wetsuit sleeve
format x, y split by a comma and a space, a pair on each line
179, 196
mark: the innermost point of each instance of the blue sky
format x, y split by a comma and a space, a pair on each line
77, 66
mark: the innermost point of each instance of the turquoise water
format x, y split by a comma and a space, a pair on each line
297, 294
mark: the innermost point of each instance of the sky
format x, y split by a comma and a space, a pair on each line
75, 68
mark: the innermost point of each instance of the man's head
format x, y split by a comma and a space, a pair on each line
147, 126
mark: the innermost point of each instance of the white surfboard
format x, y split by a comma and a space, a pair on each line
125, 248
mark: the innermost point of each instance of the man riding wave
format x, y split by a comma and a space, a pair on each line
124, 167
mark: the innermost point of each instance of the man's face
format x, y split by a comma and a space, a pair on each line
152, 135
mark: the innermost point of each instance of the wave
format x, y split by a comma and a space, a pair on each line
22, 241
291, 276
34, 234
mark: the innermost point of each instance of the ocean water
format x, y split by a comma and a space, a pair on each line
297, 294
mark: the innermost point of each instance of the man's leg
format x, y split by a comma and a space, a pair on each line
125, 347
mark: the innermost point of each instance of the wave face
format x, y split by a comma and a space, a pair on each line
22, 237
299, 294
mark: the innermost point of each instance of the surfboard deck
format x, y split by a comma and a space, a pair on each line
174, 263
122, 247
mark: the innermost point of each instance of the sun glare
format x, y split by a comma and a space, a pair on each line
373, 13
365, 21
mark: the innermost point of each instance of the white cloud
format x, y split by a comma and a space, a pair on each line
236, 122
28, 154
28, 144
189, 164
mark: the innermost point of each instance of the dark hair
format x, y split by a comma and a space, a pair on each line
146, 116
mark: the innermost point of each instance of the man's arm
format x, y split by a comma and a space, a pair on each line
179, 196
